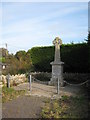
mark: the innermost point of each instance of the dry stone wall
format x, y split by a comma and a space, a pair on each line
14, 79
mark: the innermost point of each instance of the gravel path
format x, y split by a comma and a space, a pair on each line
48, 91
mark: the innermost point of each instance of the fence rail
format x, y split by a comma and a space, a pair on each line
77, 84
39, 81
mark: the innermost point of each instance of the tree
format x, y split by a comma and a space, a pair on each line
88, 50
20, 55
12, 65
24, 61
18, 63
88, 38
3, 52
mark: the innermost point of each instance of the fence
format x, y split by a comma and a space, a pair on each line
80, 84
32, 79
57, 87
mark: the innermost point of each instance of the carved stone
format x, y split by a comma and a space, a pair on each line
57, 65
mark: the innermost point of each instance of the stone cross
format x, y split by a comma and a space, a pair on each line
57, 42
57, 64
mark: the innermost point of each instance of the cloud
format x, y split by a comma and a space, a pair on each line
23, 25
0, 21
41, 29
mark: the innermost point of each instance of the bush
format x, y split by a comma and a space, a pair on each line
69, 77
76, 77
42, 76
2, 59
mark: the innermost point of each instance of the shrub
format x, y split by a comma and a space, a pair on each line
76, 77
42, 76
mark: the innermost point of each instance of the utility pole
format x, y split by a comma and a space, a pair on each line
6, 50
6, 45
6, 53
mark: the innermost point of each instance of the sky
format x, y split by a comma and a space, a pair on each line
30, 24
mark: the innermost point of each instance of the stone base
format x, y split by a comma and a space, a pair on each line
54, 81
57, 72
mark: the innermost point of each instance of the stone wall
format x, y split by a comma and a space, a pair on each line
14, 79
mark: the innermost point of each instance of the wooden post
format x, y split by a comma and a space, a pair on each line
58, 86
30, 78
8, 80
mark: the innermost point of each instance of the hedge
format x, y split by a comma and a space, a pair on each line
75, 57
41, 58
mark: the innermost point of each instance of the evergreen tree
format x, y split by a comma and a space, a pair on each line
88, 50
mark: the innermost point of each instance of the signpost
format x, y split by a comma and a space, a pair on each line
58, 88
8, 80
30, 78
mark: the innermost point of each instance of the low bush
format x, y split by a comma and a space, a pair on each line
42, 76
76, 77
69, 77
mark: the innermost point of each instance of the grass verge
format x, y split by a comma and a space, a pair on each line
66, 107
9, 94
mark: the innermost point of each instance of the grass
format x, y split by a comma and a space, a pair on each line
2, 59
66, 107
9, 94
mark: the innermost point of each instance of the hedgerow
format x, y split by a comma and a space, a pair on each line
75, 57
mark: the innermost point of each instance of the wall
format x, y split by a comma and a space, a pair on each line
14, 79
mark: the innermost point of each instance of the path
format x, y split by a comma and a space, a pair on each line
29, 106
48, 91
23, 107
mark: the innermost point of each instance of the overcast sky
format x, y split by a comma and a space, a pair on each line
26, 24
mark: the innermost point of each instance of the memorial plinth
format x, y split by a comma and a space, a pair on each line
57, 64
